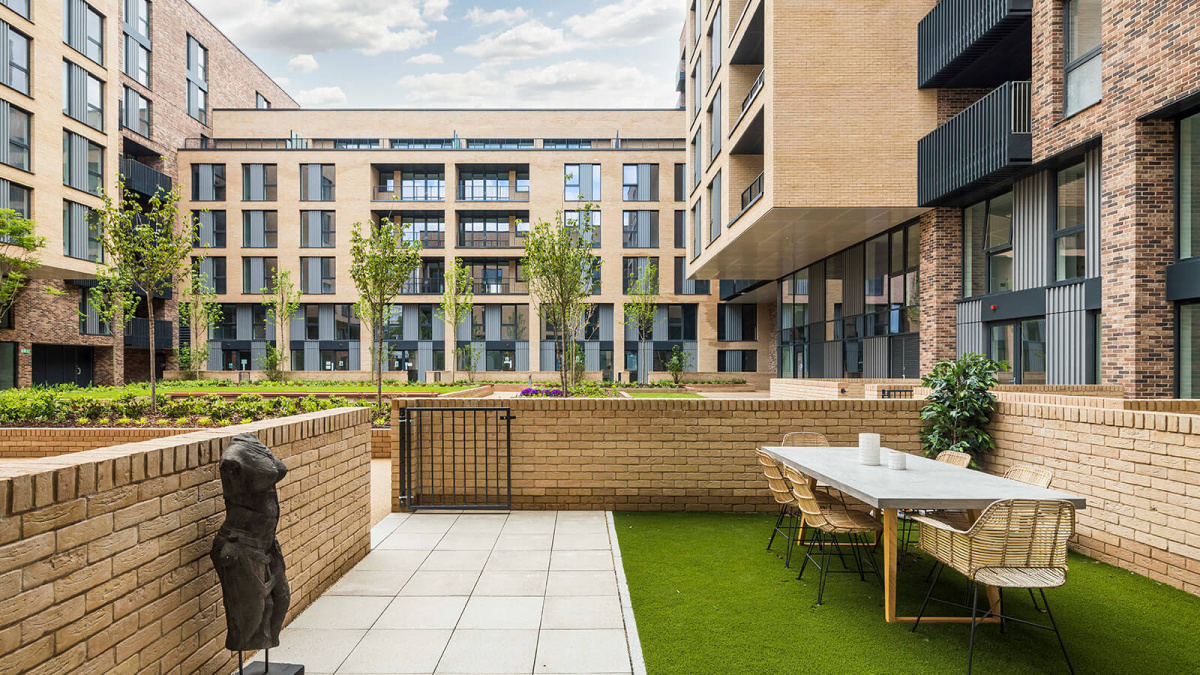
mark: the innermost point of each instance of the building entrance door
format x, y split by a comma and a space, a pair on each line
1022, 344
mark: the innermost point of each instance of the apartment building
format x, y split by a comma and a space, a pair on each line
803, 124
283, 189
92, 90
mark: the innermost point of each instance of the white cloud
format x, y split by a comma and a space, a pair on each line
426, 58
628, 22
528, 40
302, 63
481, 17
321, 97
435, 10
318, 26
573, 84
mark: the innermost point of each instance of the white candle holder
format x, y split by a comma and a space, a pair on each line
868, 449
898, 460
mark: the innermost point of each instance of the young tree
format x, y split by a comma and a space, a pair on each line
640, 311
678, 363
282, 300
114, 302
198, 306
469, 353
559, 265
380, 265
458, 299
151, 244
18, 256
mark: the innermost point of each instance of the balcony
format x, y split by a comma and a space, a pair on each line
974, 43
144, 179
753, 93
427, 239
394, 193
428, 286
753, 192
491, 238
985, 143
501, 287
495, 192
137, 334
680, 82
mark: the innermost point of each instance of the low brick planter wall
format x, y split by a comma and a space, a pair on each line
28, 442
104, 553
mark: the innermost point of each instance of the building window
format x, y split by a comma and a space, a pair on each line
81, 233
419, 186
591, 222
634, 269
16, 197
345, 323
260, 229
317, 182
16, 153
212, 228
987, 246
514, 322
197, 78
685, 286
1082, 48
208, 182
83, 29
261, 101
697, 228
318, 229
1069, 236
317, 275
479, 230
211, 272
1188, 187
680, 182
137, 61
697, 94
714, 127
135, 112
639, 182
427, 227
20, 7
16, 74
715, 40
737, 361
696, 162
737, 323
259, 182
83, 163
83, 96
1189, 350
714, 208
582, 182
137, 16
680, 229
639, 229
258, 274
1023, 345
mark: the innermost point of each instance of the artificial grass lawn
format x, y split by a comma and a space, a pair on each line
663, 394
709, 598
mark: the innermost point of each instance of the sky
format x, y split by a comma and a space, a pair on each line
461, 53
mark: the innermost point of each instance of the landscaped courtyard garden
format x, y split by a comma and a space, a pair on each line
709, 598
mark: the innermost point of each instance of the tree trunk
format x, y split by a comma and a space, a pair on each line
379, 363
153, 379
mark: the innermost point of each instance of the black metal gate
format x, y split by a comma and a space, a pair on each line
456, 458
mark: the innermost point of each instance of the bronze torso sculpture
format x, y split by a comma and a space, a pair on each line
245, 552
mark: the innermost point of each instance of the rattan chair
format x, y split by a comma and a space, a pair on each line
1032, 475
804, 439
954, 457
826, 523
1015, 543
788, 509
957, 519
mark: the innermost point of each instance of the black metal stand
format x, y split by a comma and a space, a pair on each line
265, 667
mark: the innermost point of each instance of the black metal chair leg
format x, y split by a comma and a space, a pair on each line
1035, 602
971, 644
778, 522
1057, 634
857, 557
824, 571
1000, 592
807, 554
791, 535
937, 566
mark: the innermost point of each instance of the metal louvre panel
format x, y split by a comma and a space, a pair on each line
1092, 229
208, 236
875, 358
643, 229
831, 358
255, 221
491, 323
853, 295
254, 275
591, 356
313, 224
297, 328
76, 167
643, 183
522, 354
606, 321
355, 355
411, 322
1066, 335
214, 355
270, 326
258, 354
970, 337
78, 236
480, 353
314, 181
693, 350
733, 321
585, 182
439, 328
243, 321
715, 211
256, 188
92, 319
206, 188
76, 92
5, 57
660, 324
314, 276
816, 294
325, 322
424, 359
312, 356
464, 328
5, 111
5, 190
75, 25
1031, 231
547, 354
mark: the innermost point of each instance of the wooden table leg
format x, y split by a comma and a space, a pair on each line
889, 565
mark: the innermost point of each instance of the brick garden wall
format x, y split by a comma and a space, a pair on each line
48, 442
104, 553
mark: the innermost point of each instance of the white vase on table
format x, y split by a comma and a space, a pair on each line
868, 449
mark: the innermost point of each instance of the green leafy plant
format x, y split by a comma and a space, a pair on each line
102, 421
82, 420
124, 421
204, 421
18, 256
469, 356
678, 363
640, 313
960, 405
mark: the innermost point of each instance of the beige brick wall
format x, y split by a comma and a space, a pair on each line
104, 554
24, 443
666, 455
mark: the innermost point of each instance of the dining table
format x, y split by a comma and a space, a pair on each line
925, 484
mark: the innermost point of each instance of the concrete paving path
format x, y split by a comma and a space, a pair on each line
519, 592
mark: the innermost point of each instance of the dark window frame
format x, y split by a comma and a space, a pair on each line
1057, 235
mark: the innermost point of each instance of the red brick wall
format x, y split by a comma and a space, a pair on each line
940, 284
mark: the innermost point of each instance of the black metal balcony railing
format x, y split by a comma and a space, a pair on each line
752, 192
502, 192
433, 285
428, 239
501, 287
489, 240
989, 141
957, 33
390, 193
680, 82
753, 93
137, 333
144, 179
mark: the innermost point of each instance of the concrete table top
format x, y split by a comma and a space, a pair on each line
925, 484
